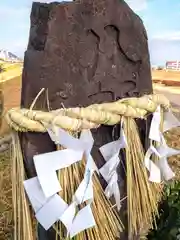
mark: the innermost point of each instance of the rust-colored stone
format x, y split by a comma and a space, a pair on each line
83, 52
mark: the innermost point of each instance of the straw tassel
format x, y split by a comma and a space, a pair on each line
108, 222
22, 216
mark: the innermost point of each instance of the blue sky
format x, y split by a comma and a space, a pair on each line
161, 19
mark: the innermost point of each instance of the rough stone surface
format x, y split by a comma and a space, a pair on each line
83, 52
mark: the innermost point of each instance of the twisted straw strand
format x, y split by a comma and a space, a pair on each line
76, 119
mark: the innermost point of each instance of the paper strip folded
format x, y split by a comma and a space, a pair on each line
166, 171
47, 210
47, 164
83, 219
35, 193
170, 121
155, 173
154, 133
84, 143
110, 152
161, 169
51, 211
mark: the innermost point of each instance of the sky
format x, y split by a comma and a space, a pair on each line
161, 19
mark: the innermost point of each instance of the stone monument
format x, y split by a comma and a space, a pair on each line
83, 52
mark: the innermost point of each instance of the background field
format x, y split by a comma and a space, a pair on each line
171, 78
10, 84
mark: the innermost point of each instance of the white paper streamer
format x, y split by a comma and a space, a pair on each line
170, 121
154, 133
110, 152
42, 190
76, 223
113, 189
166, 171
155, 173
84, 219
51, 211
165, 151
35, 193
47, 164
47, 210
68, 216
84, 143
85, 189
161, 169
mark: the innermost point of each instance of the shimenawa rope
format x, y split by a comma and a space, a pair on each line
143, 196
76, 119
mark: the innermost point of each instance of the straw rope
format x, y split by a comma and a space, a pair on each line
141, 194
76, 119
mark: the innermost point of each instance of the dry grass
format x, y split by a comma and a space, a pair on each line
9, 66
6, 218
170, 78
173, 140
163, 74
11, 90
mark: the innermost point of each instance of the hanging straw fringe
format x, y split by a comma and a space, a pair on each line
142, 195
22, 216
108, 224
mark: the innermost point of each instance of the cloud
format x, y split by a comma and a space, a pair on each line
137, 5
167, 36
